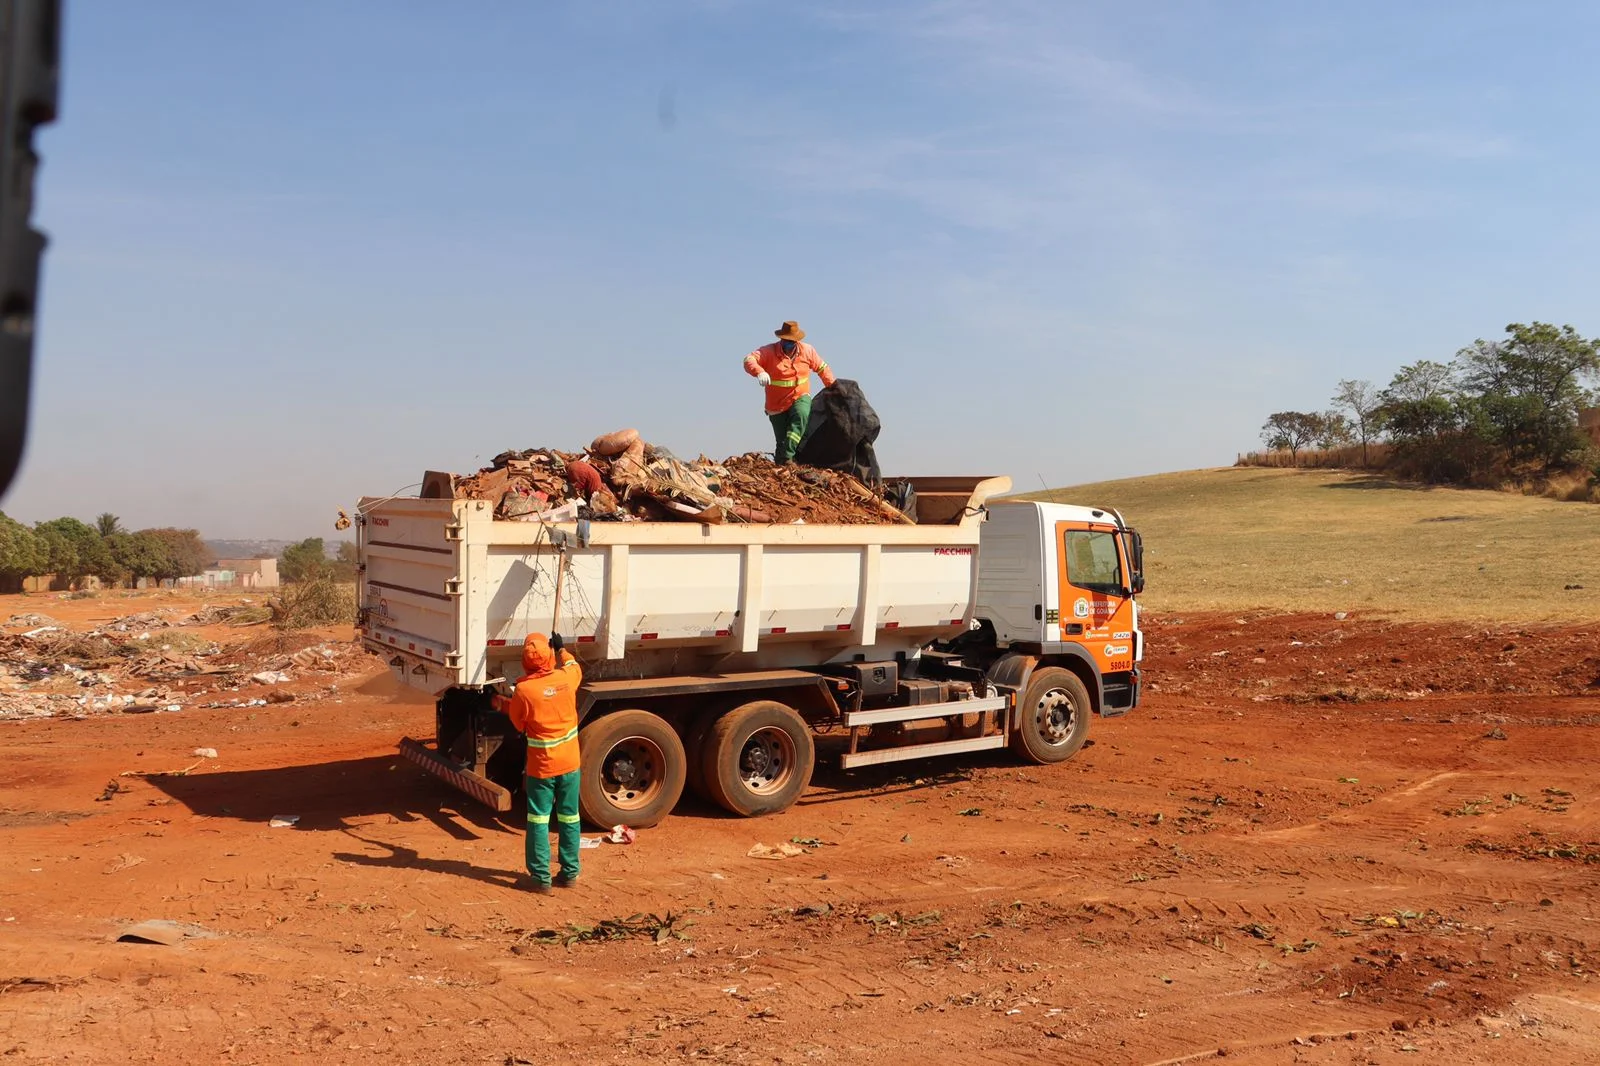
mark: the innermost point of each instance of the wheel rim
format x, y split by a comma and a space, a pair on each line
767, 760
1055, 716
633, 773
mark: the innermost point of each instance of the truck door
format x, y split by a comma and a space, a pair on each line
1096, 609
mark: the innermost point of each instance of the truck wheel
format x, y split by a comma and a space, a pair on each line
633, 769
1054, 717
694, 746
757, 759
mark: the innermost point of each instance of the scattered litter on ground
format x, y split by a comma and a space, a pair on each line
620, 834
162, 931
163, 773
122, 862
140, 664
205, 753
658, 928
588, 842
284, 821
780, 850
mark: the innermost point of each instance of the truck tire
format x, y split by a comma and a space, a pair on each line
633, 770
757, 759
1053, 717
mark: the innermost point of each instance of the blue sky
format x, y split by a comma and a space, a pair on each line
303, 251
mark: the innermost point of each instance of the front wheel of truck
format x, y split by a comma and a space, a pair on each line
1053, 716
633, 770
758, 758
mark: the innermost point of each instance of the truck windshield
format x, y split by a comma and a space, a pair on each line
1092, 561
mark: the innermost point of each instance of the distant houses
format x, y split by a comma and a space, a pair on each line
235, 574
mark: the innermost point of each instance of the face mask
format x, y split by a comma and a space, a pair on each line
788, 347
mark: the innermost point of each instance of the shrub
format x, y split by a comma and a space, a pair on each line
323, 602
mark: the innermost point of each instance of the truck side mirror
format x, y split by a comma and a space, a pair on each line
1135, 545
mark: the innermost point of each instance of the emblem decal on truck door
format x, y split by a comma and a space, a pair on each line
1081, 608
1113, 650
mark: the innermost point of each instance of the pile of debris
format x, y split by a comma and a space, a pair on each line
242, 614
49, 671
621, 478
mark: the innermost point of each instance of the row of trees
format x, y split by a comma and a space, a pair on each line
1499, 408
72, 551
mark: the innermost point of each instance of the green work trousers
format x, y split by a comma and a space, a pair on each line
547, 795
788, 427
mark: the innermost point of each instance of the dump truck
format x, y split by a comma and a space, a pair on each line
727, 659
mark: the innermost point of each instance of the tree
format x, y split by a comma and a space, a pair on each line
107, 524
1292, 430
1422, 380
138, 555
305, 561
60, 552
1335, 430
184, 554
1530, 388
76, 550
22, 554
344, 564
1361, 404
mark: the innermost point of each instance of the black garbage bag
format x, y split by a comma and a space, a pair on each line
840, 433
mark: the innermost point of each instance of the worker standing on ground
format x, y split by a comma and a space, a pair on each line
544, 707
785, 369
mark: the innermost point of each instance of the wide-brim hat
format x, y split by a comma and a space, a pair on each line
791, 331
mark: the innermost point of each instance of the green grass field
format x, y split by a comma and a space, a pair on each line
1316, 540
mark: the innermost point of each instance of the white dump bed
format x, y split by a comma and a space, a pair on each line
447, 592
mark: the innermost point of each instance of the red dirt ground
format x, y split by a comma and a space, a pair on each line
1326, 856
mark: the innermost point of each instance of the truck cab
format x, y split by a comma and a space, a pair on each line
1060, 582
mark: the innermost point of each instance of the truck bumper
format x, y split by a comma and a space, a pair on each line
477, 786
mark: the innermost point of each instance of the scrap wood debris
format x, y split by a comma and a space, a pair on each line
621, 478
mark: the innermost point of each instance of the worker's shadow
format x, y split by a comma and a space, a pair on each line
403, 858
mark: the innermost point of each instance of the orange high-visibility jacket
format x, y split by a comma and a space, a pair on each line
544, 707
791, 374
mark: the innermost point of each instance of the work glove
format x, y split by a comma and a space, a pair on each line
556, 643
764, 378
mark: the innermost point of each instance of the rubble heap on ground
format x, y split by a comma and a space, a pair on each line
622, 478
145, 663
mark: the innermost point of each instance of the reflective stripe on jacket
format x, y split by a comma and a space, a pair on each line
545, 708
791, 374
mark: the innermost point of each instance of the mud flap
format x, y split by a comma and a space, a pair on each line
477, 786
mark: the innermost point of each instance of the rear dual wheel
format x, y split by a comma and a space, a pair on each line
633, 770
756, 759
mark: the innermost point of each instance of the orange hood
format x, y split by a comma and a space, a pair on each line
537, 658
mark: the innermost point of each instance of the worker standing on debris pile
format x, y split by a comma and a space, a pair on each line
785, 369
544, 707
